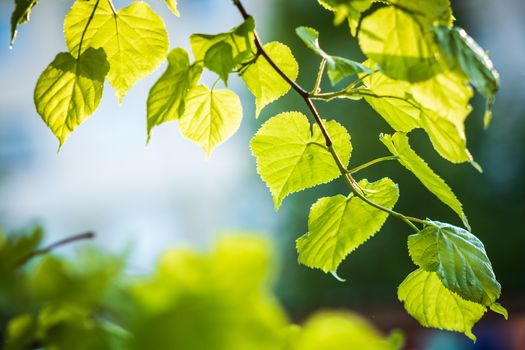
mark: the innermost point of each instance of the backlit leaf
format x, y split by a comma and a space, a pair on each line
166, 97
20, 15
433, 305
240, 38
291, 156
351, 10
263, 81
396, 42
69, 90
338, 67
399, 146
459, 260
134, 39
172, 5
338, 330
338, 225
219, 59
210, 117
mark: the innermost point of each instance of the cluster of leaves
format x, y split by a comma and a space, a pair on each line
219, 299
419, 73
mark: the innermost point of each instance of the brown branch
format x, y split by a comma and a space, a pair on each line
46, 250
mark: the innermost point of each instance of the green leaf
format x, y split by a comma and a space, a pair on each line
225, 291
211, 117
20, 332
219, 59
426, 105
396, 42
338, 225
292, 155
399, 146
69, 90
433, 305
263, 81
391, 102
461, 51
240, 38
172, 5
166, 97
16, 247
338, 330
134, 39
338, 67
459, 260
427, 12
20, 16
351, 10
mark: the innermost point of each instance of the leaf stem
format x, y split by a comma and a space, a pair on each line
370, 163
86, 28
317, 86
350, 181
46, 250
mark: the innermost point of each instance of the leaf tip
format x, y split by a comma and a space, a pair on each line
336, 276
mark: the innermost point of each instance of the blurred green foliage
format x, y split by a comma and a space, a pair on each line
220, 299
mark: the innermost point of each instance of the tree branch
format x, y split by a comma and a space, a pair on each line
350, 181
65, 241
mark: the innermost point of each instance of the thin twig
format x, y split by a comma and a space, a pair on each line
62, 242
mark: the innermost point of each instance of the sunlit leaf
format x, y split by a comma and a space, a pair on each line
20, 15
338, 330
166, 100
351, 10
219, 59
69, 90
338, 225
172, 5
240, 38
291, 156
134, 39
399, 146
427, 12
396, 42
338, 67
433, 305
211, 117
263, 81
459, 260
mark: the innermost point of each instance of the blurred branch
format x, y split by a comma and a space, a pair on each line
65, 241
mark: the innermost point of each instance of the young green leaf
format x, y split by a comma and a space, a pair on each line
20, 16
459, 260
427, 12
351, 10
172, 5
461, 51
433, 305
211, 117
263, 81
396, 42
442, 119
399, 146
292, 157
338, 225
134, 39
166, 97
338, 67
240, 38
337, 330
219, 59
69, 90
15, 247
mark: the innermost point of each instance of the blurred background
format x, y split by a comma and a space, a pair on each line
145, 198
